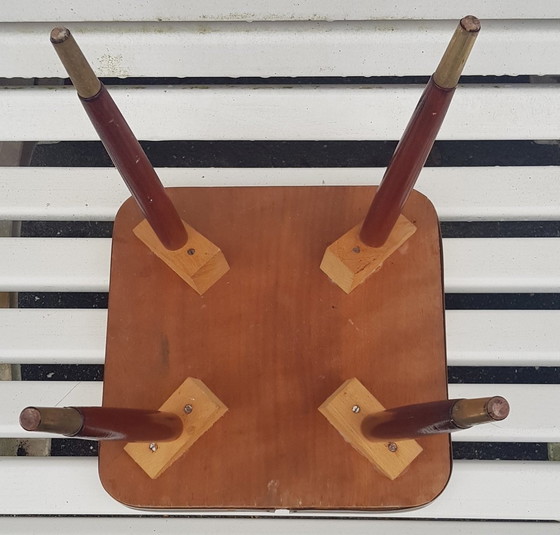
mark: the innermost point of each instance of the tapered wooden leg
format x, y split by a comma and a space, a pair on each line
346, 410
166, 233
103, 423
360, 252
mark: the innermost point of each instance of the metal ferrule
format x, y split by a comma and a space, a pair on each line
468, 412
453, 61
79, 70
62, 420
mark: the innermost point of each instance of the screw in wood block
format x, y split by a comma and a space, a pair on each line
205, 410
391, 458
199, 262
349, 262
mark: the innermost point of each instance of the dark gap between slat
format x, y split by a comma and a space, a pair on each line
449, 229
511, 451
506, 451
62, 299
313, 80
301, 153
505, 301
65, 447
527, 375
456, 374
288, 80
62, 372
67, 229
500, 229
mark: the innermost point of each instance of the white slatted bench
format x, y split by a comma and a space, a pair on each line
213, 39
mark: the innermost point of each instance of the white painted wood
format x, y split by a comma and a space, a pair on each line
503, 337
474, 337
221, 526
281, 113
522, 265
514, 491
501, 265
257, 526
57, 264
52, 336
458, 193
253, 10
264, 49
532, 419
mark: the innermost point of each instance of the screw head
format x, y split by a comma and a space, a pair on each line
356, 249
191, 251
356, 409
187, 409
392, 447
153, 447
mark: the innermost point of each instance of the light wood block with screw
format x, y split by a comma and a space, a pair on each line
199, 409
345, 410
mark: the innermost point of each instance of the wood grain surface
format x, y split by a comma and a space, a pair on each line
273, 339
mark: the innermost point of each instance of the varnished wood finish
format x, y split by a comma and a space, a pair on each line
118, 139
273, 339
419, 136
103, 423
406, 163
128, 424
131, 161
443, 416
347, 408
411, 421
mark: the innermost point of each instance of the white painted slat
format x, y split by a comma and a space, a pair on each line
503, 337
52, 336
458, 193
257, 526
471, 265
253, 10
501, 265
283, 113
233, 49
519, 491
57, 264
474, 337
532, 419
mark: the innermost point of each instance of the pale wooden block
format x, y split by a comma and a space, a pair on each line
348, 261
199, 262
338, 410
207, 409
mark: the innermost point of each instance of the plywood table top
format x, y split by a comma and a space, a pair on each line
273, 339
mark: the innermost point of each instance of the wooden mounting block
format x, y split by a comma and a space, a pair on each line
349, 262
273, 339
198, 408
346, 409
200, 263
